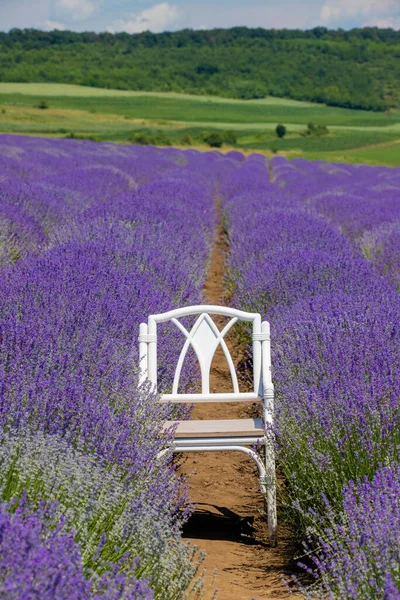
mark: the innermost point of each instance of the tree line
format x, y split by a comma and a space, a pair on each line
354, 69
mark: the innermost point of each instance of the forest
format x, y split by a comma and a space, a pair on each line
352, 69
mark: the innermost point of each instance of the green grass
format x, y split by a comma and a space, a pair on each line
380, 154
114, 115
189, 109
61, 89
336, 140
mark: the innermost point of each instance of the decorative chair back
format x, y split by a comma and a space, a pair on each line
205, 337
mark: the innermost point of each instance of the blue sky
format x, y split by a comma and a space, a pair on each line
134, 16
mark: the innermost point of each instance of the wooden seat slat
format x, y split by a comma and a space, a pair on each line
218, 428
214, 397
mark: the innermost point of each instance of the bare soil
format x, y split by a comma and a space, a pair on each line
229, 522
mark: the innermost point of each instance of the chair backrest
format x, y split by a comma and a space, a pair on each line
205, 337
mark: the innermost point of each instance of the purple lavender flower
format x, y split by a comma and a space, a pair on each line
359, 553
38, 560
295, 233
99, 232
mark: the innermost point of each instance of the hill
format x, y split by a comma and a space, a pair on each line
167, 118
352, 69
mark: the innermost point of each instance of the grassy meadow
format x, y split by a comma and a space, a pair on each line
181, 119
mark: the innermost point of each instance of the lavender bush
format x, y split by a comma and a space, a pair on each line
97, 232
39, 560
334, 318
359, 555
361, 201
101, 504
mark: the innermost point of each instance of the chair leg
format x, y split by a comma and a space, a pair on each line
270, 496
270, 509
266, 475
162, 453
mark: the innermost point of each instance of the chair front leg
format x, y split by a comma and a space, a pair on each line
270, 464
270, 496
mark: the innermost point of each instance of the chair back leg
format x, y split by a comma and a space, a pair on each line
270, 496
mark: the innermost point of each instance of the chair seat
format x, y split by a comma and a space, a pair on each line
218, 428
225, 397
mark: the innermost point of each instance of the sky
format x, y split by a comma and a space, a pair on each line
134, 16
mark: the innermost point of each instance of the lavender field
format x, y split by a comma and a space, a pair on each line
95, 237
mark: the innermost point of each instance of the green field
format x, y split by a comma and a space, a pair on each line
61, 89
376, 154
362, 136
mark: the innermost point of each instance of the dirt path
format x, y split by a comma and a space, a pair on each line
228, 523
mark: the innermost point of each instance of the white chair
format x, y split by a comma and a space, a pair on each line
219, 435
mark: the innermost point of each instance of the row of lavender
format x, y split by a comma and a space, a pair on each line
91, 242
336, 354
362, 202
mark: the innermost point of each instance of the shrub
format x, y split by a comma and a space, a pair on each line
280, 131
43, 105
140, 138
99, 503
213, 139
160, 139
187, 140
316, 130
93, 217
230, 137
38, 559
294, 256
359, 554
77, 136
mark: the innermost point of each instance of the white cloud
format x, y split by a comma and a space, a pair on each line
51, 25
333, 10
155, 19
268, 13
390, 22
78, 9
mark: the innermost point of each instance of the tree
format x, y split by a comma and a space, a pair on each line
352, 69
215, 140
280, 131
